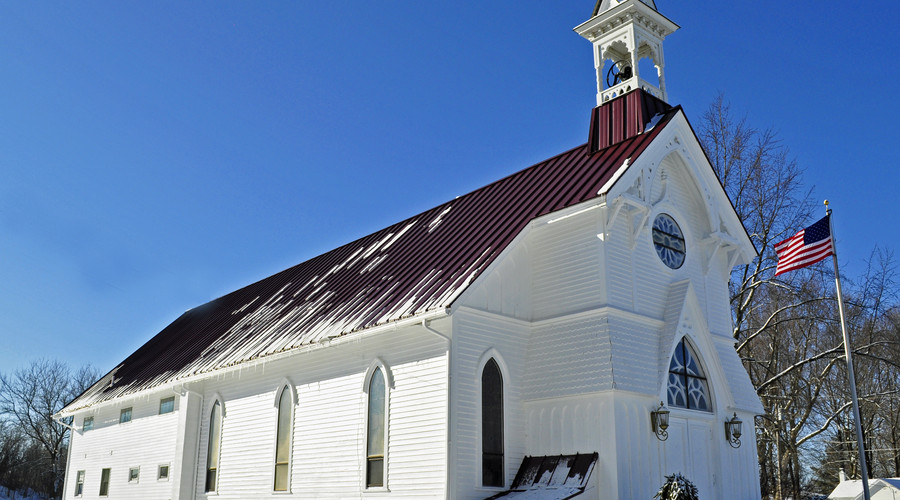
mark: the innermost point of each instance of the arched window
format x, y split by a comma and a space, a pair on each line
212, 451
688, 387
283, 440
375, 442
491, 425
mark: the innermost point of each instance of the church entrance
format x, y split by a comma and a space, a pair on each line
689, 451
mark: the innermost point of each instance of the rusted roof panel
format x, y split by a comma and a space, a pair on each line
414, 267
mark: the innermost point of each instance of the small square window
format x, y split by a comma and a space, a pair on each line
167, 405
125, 415
79, 483
87, 424
163, 474
134, 474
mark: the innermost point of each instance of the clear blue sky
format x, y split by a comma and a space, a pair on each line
156, 155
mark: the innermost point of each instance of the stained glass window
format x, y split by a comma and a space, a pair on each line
668, 241
375, 436
491, 425
688, 387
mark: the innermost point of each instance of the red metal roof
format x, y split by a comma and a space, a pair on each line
416, 266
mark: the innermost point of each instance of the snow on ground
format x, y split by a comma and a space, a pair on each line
5, 494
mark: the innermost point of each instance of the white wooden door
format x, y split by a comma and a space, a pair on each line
689, 450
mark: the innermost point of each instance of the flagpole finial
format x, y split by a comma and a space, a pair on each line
827, 208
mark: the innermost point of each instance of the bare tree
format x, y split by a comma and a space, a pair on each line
786, 328
12, 445
29, 397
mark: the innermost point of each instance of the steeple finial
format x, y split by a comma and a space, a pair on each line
623, 33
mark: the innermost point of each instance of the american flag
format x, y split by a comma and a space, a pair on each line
805, 248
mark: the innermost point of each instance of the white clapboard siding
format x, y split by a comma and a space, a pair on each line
635, 356
568, 356
565, 257
475, 334
328, 452
718, 297
146, 442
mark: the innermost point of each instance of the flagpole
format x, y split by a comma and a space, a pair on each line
856, 415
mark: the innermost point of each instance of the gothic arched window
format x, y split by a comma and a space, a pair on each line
688, 387
375, 442
283, 440
491, 425
212, 449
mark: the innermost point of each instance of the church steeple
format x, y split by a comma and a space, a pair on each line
623, 33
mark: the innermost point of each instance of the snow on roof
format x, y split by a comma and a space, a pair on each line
552, 477
879, 488
412, 268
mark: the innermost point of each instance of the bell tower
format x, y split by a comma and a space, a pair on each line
623, 33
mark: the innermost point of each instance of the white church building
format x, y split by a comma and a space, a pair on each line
562, 332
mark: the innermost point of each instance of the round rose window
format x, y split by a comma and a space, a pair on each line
668, 241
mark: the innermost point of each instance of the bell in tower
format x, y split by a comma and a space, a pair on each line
624, 32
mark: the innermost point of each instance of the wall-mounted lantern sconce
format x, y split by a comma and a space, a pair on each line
659, 420
733, 431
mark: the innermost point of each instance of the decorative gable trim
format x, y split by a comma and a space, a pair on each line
631, 193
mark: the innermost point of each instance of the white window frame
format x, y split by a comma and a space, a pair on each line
108, 480
492, 353
130, 411
692, 344
284, 385
168, 472
162, 400
664, 206
388, 385
79, 481
84, 422
137, 478
207, 416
